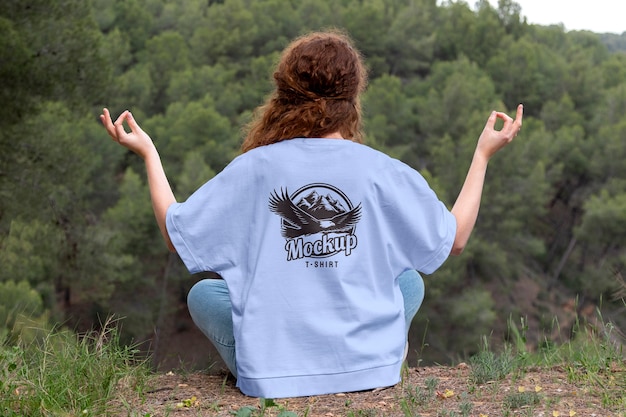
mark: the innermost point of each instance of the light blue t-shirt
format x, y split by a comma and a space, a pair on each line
309, 235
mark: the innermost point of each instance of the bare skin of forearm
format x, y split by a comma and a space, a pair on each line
139, 142
160, 192
466, 207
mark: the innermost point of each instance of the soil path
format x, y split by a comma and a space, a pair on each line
431, 391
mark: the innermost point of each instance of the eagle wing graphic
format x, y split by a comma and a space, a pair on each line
297, 221
345, 221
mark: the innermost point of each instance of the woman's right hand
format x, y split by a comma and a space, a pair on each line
136, 140
492, 140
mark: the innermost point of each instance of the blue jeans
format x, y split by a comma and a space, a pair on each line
209, 305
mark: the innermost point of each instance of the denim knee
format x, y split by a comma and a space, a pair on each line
209, 305
412, 288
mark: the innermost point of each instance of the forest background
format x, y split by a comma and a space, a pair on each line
78, 242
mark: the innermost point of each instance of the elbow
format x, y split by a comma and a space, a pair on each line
460, 241
168, 243
166, 238
457, 249
458, 246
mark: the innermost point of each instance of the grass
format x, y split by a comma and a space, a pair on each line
487, 366
67, 375
593, 361
61, 374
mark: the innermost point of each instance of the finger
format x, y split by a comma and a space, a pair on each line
515, 127
133, 124
505, 117
105, 118
508, 121
520, 113
120, 118
104, 115
119, 125
519, 116
491, 121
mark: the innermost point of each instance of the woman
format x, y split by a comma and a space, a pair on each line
318, 238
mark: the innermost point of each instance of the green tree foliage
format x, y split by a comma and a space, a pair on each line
195, 172
30, 252
475, 34
614, 70
48, 166
21, 307
276, 24
52, 51
75, 221
165, 54
313, 14
366, 21
410, 55
615, 43
130, 254
227, 34
131, 217
15, 58
527, 72
180, 16
392, 120
132, 18
602, 235
452, 92
194, 126
54, 241
49, 51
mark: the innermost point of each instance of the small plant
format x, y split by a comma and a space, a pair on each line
519, 339
466, 406
487, 366
414, 398
521, 399
246, 411
431, 385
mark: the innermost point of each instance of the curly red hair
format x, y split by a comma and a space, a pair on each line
319, 80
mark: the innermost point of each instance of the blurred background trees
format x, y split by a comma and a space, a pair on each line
77, 237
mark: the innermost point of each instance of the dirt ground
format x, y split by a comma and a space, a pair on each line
438, 391
430, 391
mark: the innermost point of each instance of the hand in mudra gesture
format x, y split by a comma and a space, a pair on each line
492, 140
136, 140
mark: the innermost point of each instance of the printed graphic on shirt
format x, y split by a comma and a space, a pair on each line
318, 221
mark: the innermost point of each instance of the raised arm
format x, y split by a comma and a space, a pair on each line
465, 209
139, 142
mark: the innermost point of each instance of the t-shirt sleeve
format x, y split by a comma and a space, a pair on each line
443, 228
207, 230
424, 228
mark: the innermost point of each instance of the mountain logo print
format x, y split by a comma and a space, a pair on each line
318, 211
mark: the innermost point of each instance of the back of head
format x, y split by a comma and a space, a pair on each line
319, 80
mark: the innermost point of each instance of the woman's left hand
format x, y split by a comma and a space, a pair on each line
136, 140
